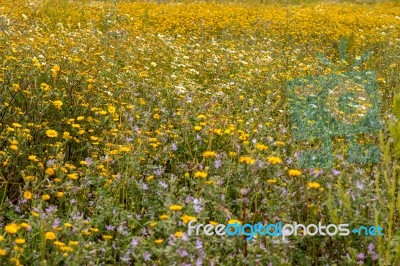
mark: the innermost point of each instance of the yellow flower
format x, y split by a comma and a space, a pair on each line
279, 143
32, 158
261, 147
200, 174
73, 176
247, 160
175, 207
313, 185
274, 160
232, 154
11, 228
16, 125
209, 154
3, 252
66, 136
25, 225
213, 223
232, 221
20, 241
49, 171
51, 133
67, 225
125, 149
107, 237
14, 142
153, 224
58, 243
44, 86
66, 249
14, 147
164, 217
16, 87
294, 172
50, 236
271, 181
156, 116
159, 241
111, 109
1, 238
187, 218
29, 178
178, 234
27, 195
57, 104
197, 128
94, 138
46, 197
56, 68
60, 194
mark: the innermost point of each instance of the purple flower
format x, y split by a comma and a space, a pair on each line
185, 237
144, 186
50, 162
146, 256
163, 184
126, 258
199, 244
122, 230
159, 171
189, 199
317, 173
217, 163
174, 147
361, 256
371, 247
335, 172
56, 223
199, 262
51, 209
144, 231
110, 227
182, 252
260, 164
197, 205
89, 161
134, 242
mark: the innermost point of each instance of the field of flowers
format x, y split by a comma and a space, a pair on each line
122, 121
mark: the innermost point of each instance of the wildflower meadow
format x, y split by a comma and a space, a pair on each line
123, 124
